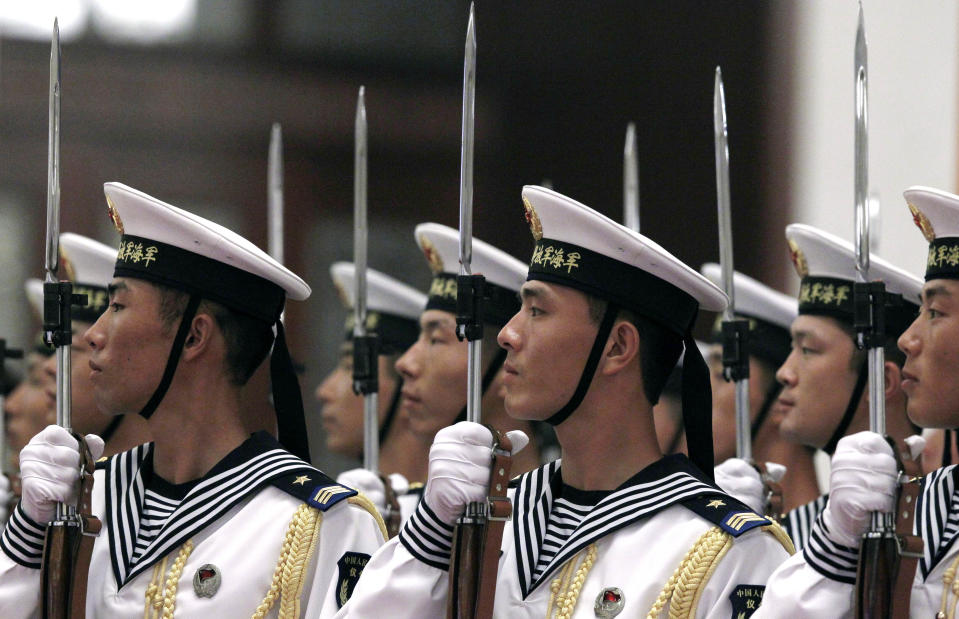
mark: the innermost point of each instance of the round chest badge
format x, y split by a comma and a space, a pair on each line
609, 602
206, 581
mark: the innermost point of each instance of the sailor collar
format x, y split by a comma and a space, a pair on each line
669, 481
936, 501
258, 462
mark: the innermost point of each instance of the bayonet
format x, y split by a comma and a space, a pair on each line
631, 180
365, 379
735, 332
274, 202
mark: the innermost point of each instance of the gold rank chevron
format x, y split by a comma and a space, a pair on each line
325, 494
738, 521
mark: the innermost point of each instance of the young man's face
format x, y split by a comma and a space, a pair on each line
434, 372
931, 345
342, 412
547, 344
724, 401
818, 380
129, 347
31, 406
85, 417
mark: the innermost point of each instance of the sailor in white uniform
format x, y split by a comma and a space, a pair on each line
613, 527
207, 520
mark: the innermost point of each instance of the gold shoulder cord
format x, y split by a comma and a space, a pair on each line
160, 603
301, 539
685, 587
950, 592
360, 500
565, 588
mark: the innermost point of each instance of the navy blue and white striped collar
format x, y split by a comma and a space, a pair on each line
658, 486
937, 501
243, 472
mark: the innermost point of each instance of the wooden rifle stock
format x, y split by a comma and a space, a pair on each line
888, 558
477, 536
393, 517
67, 547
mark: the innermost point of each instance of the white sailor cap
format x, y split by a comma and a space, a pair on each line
770, 314
827, 266
504, 274
936, 213
170, 246
578, 247
582, 249
393, 308
34, 289
89, 265
167, 245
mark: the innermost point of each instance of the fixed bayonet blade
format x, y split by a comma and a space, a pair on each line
52, 256
862, 152
274, 202
466, 150
631, 180
738, 367
474, 392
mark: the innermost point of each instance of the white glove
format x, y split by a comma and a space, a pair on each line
369, 483
50, 471
863, 480
459, 472
741, 480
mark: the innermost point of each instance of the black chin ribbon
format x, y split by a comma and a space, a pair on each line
174, 359
697, 407
847, 416
592, 362
947, 447
287, 399
771, 394
494, 366
111, 428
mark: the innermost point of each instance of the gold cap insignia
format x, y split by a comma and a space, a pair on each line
114, 215
533, 220
66, 270
432, 256
798, 258
922, 222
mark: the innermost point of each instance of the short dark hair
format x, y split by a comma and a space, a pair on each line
248, 339
659, 347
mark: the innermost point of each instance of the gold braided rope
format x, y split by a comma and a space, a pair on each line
360, 500
152, 600
287, 583
950, 588
565, 588
689, 573
160, 603
777, 531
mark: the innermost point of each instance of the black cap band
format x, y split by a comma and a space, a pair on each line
767, 341
184, 270
501, 305
833, 297
396, 333
97, 301
627, 286
942, 262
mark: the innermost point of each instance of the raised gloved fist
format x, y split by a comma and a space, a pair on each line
741, 480
371, 485
863, 480
50, 471
459, 471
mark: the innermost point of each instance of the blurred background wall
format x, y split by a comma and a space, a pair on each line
176, 98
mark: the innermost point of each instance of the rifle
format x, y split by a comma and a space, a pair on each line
888, 552
631, 180
69, 537
474, 559
735, 332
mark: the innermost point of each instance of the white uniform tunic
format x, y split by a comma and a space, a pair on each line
639, 534
820, 581
236, 519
